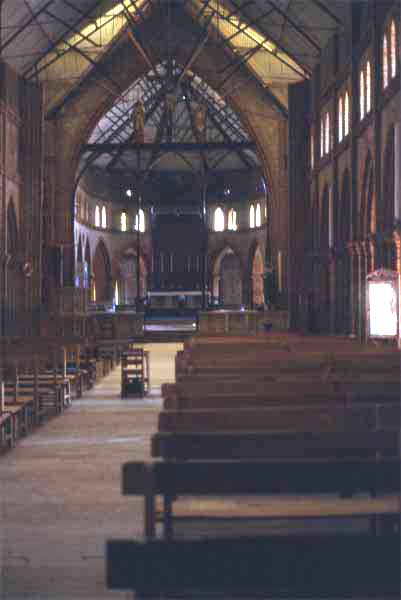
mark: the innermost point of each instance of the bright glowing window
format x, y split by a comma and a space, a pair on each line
327, 134
252, 216
116, 294
104, 217
385, 61
94, 291
340, 119
346, 114
140, 222
218, 219
258, 216
393, 49
123, 221
232, 219
97, 216
362, 95
321, 137
368, 87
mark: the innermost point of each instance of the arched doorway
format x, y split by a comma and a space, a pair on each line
227, 279
102, 289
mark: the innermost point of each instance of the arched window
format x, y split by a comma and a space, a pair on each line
94, 295
116, 294
340, 119
104, 217
327, 134
346, 114
232, 219
140, 222
368, 87
258, 216
321, 137
97, 216
252, 216
218, 219
385, 61
361, 95
393, 49
123, 221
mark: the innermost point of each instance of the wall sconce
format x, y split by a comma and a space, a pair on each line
382, 304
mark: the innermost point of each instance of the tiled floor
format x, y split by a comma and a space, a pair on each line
60, 491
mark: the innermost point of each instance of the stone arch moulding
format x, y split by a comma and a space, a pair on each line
366, 202
83, 112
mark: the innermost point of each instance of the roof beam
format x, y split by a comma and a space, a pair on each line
31, 20
328, 12
226, 137
53, 45
108, 148
297, 28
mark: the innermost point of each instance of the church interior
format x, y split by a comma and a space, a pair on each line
200, 295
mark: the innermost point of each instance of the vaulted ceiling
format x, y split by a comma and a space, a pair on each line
65, 41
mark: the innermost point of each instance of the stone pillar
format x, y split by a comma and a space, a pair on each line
353, 259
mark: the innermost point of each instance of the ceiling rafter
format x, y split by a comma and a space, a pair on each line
327, 11
298, 28
22, 28
53, 46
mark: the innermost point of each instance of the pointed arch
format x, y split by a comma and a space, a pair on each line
97, 216
12, 230
368, 87
367, 217
344, 212
252, 216
102, 273
258, 215
385, 61
219, 221
393, 49
257, 269
361, 95
340, 119
346, 114
227, 277
104, 217
388, 181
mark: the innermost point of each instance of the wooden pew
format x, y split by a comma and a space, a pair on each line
308, 566
239, 393
302, 464
315, 417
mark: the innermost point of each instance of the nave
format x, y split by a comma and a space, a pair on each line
61, 496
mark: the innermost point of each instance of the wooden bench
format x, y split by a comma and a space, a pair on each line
237, 393
308, 566
322, 416
325, 468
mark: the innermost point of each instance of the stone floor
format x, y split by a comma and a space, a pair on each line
60, 490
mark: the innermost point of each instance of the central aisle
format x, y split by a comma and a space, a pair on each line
60, 490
